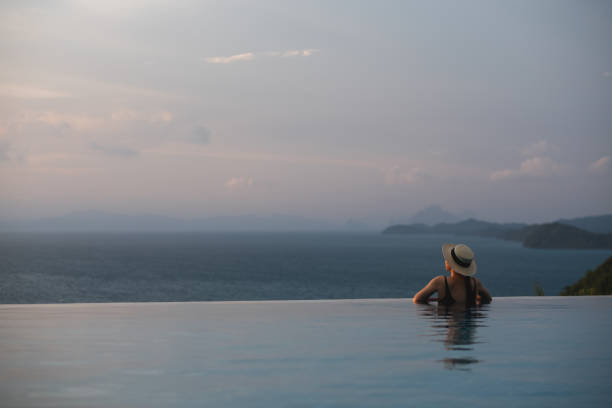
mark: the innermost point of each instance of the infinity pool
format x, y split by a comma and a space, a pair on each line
546, 351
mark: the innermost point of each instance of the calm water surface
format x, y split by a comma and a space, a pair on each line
50, 268
528, 352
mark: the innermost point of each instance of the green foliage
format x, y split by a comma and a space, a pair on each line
597, 282
538, 289
556, 235
551, 235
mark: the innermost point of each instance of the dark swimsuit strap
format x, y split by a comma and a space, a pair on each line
448, 298
470, 293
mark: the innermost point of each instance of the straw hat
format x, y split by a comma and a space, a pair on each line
461, 258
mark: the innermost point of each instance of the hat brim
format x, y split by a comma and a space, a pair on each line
469, 271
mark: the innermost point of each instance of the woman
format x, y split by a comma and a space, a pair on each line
461, 288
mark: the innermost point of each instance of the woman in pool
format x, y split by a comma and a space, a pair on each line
460, 288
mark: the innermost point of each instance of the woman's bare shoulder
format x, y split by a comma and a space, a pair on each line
438, 280
433, 286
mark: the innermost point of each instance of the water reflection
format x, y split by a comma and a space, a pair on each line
455, 327
460, 363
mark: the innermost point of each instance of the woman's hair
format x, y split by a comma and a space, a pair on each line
470, 294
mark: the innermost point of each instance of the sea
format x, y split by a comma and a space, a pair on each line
168, 267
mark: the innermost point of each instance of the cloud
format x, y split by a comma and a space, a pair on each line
539, 148
396, 175
84, 123
298, 53
534, 167
502, 175
607, 74
4, 151
114, 150
201, 135
76, 122
238, 182
600, 165
249, 56
309, 52
142, 116
29, 92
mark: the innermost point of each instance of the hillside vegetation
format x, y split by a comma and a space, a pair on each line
550, 236
561, 236
601, 224
597, 282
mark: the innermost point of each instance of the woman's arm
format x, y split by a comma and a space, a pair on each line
485, 296
423, 295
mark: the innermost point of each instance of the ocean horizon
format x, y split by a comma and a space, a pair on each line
165, 267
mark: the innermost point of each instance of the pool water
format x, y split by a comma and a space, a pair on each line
530, 351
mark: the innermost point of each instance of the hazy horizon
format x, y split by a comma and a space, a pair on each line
367, 111
92, 221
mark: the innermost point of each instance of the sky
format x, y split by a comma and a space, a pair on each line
331, 110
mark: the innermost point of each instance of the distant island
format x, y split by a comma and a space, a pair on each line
597, 282
433, 214
556, 235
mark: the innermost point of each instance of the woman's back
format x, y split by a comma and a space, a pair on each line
458, 292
